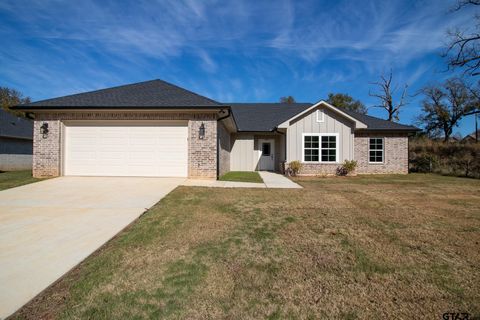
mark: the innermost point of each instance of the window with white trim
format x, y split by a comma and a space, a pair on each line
329, 148
376, 150
320, 148
310, 148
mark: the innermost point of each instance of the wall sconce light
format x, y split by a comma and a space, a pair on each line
201, 132
44, 130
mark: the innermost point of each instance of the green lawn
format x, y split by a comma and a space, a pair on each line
242, 176
13, 179
376, 247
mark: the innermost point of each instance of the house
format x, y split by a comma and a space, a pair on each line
472, 137
155, 128
16, 142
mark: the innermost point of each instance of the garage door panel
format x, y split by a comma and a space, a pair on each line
126, 150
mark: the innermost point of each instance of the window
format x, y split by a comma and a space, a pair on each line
266, 149
320, 116
320, 148
376, 150
311, 148
329, 148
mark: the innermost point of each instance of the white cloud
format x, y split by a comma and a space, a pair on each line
296, 37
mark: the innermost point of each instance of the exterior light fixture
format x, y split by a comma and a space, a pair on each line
201, 131
44, 130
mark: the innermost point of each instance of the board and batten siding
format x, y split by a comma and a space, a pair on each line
242, 154
333, 123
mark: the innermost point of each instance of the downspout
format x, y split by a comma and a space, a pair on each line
218, 142
225, 117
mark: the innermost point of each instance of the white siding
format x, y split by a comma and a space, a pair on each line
333, 123
242, 155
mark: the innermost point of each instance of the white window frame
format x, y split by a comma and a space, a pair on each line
383, 150
320, 116
320, 135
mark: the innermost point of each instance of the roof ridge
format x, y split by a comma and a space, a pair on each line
160, 81
199, 95
279, 103
92, 91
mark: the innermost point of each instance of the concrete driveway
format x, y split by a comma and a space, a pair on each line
47, 228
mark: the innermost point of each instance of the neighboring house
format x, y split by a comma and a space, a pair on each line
472, 137
16, 142
155, 128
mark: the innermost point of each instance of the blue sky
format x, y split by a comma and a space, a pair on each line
228, 50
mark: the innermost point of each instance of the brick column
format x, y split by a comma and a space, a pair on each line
46, 150
202, 153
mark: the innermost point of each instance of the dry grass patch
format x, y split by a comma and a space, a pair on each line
359, 247
12, 179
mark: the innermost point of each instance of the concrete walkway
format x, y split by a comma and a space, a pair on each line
275, 180
270, 180
48, 227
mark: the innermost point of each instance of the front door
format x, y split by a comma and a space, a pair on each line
267, 154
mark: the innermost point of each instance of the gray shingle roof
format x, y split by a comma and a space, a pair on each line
13, 126
374, 123
264, 116
267, 116
160, 94
148, 94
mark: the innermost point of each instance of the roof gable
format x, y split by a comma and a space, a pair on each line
358, 124
148, 94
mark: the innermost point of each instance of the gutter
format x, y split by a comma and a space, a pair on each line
113, 108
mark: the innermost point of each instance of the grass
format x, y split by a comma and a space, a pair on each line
12, 179
380, 247
242, 176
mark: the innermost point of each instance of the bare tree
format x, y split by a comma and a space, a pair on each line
444, 106
386, 95
464, 48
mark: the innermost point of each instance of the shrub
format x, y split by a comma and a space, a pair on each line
347, 167
294, 167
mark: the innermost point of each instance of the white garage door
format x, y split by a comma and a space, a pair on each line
126, 150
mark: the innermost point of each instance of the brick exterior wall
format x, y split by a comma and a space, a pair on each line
202, 153
224, 149
395, 154
318, 169
395, 157
47, 152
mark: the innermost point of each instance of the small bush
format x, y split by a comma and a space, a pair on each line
294, 168
347, 167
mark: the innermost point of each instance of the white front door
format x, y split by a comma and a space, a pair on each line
267, 154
